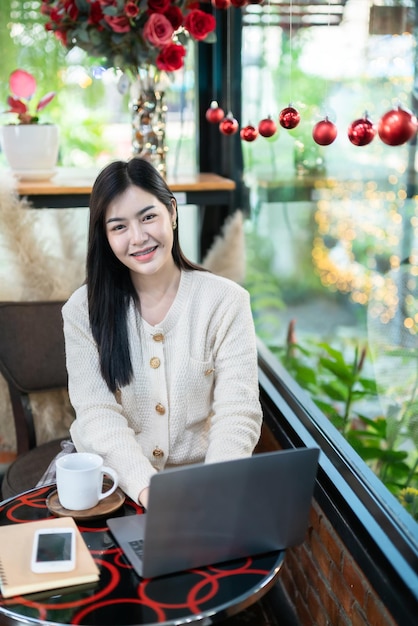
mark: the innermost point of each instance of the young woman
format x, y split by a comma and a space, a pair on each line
161, 355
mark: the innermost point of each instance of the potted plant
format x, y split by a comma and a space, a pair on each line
31, 148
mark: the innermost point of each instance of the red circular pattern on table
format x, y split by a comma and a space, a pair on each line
154, 601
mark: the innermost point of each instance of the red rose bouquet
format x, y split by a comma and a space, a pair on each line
130, 34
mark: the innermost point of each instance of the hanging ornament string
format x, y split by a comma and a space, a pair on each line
267, 127
229, 125
228, 62
395, 128
215, 68
326, 93
291, 51
325, 132
289, 116
249, 133
215, 113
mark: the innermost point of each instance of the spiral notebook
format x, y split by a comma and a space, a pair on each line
16, 576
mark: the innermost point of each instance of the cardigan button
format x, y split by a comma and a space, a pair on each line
155, 362
158, 452
160, 408
158, 337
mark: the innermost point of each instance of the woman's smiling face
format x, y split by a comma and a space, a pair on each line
139, 229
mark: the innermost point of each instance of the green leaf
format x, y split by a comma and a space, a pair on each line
402, 352
328, 409
393, 456
335, 390
369, 385
337, 421
336, 354
305, 375
397, 472
370, 452
303, 350
359, 394
364, 436
413, 429
338, 368
266, 301
378, 425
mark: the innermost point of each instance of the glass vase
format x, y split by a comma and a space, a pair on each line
149, 112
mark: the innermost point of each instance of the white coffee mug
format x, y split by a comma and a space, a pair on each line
80, 480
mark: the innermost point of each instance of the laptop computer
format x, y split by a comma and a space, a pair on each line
204, 514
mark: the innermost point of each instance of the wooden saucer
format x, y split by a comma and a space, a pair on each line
106, 506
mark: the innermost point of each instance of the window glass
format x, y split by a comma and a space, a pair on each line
332, 239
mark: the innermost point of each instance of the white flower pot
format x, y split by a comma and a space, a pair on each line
31, 149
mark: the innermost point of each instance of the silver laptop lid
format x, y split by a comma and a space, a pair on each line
208, 513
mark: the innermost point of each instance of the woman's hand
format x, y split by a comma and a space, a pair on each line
143, 497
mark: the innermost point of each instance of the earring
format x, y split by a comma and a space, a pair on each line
174, 225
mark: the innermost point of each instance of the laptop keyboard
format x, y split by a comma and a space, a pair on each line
137, 546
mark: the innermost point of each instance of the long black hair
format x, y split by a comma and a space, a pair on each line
109, 285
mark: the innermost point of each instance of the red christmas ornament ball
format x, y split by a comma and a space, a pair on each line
239, 3
397, 126
361, 132
215, 113
267, 127
289, 118
324, 132
221, 4
229, 125
249, 133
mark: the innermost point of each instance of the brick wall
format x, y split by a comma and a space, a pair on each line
321, 579
324, 584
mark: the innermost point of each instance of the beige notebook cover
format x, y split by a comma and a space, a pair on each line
16, 576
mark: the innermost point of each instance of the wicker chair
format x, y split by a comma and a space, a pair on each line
32, 359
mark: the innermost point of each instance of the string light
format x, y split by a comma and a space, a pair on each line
334, 257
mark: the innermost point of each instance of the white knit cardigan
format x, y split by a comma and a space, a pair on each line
194, 395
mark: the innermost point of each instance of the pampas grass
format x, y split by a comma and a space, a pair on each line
226, 256
42, 257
